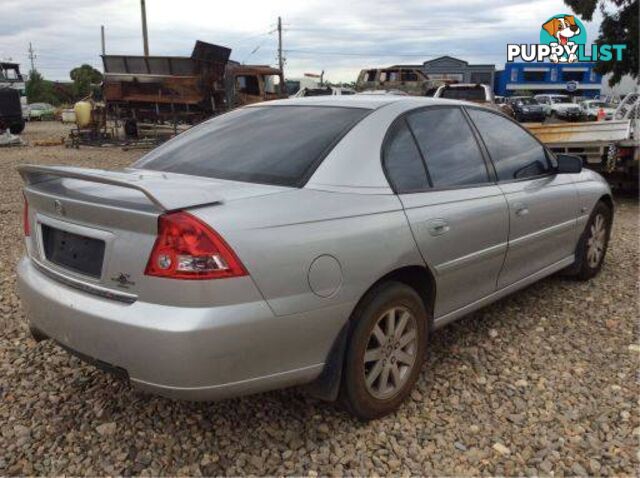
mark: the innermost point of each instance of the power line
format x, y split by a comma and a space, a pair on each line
255, 49
344, 53
384, 29
374, 53
254, 35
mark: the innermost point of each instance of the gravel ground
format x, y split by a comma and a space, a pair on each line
542, 383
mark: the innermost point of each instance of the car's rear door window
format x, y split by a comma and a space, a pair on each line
278, 145
403, 164
450, 149
514, 152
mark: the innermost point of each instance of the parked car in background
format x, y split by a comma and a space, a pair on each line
68, 115
383, 92
293, 85
41, 111
591, 110
474, 92
559, 106
323, 248
526, 108
25, 111
324, 91
412, 81
11, 111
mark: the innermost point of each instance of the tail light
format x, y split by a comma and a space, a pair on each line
25, 218
186, 248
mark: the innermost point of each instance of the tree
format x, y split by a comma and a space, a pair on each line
617, 27
38, 90
83, 77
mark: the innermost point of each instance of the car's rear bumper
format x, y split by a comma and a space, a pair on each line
180, 352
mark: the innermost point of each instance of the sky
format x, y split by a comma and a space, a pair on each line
338, 36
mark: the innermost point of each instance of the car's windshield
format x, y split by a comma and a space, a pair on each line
267, 144
560, 99
526, 101
471, 93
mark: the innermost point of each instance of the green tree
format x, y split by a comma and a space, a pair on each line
38, 89
83, 78
620, 26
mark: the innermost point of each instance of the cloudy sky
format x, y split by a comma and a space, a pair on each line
338, 36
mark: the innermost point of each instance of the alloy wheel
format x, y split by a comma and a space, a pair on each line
391, 352
596, 241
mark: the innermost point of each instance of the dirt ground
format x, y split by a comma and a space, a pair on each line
544, 382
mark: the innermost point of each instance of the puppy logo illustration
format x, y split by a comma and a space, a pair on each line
565, 31
563, 39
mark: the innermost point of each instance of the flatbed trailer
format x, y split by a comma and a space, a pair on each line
609, 147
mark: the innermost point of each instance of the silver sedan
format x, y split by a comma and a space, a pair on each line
314, 241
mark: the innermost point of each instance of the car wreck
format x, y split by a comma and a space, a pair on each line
183, 90
409, 80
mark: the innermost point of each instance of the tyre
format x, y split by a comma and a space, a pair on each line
593, 243
17, 127
385, 351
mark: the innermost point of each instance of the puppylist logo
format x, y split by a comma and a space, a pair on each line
563, 39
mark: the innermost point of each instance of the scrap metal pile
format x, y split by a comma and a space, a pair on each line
144, 90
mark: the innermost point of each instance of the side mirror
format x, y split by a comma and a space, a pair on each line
568, 164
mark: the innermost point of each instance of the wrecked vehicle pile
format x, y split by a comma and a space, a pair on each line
183, 90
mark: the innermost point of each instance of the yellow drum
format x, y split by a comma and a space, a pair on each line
83, 113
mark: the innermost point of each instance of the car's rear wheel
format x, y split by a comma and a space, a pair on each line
385, 351
594, 242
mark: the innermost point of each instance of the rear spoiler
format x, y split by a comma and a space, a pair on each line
166, 191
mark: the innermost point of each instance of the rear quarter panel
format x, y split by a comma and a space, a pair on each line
279, 237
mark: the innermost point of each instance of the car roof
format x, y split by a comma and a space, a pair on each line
361, 101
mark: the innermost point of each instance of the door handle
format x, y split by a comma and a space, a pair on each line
521, 209
438, 227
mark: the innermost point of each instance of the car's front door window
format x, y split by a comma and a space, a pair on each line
514, 152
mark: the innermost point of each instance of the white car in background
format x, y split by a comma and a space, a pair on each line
324, 91
559, 106
591, 109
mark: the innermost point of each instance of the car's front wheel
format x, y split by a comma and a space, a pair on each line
385, 351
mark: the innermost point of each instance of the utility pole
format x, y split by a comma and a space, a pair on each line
32, 57
280, 58
102, 39
145, 36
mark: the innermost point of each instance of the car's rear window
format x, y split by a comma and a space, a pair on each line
471, 93
277, 145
